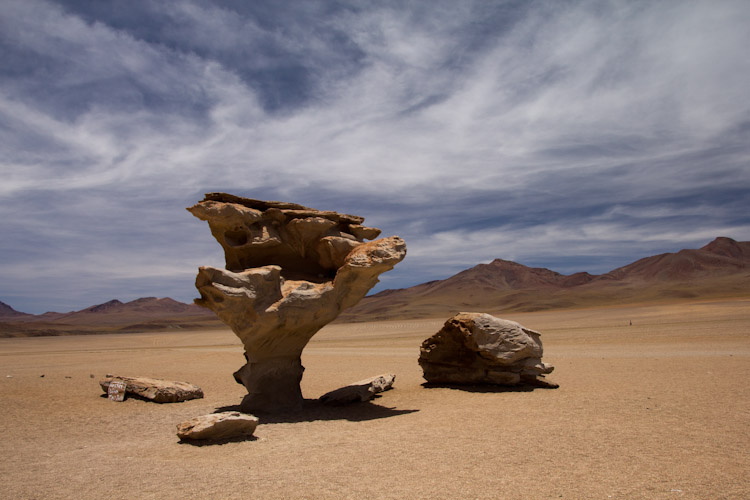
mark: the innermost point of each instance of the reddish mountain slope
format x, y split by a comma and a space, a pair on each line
721, 256
719, 269
7, 312
506, 275
141, 309
144, 314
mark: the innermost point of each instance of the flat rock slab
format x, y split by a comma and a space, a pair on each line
364, 390
157, 390
218, 426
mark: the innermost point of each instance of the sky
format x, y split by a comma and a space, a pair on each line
568, 134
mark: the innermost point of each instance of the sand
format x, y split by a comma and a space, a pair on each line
658, 409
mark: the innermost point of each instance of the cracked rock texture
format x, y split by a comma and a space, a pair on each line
290, 270
478, 348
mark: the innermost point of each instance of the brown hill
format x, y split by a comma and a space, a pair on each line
721, 256
144, 314
114, 311
8, 312
719, 269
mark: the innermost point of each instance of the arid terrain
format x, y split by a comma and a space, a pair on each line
718, 270
656, 409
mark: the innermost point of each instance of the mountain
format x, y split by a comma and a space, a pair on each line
8, 312
144, 314
115, 311
719, 269
721, 256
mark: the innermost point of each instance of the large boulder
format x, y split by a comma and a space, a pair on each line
290, 270
477, 348
218, 426
154, 389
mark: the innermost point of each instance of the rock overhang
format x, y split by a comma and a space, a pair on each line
307, 244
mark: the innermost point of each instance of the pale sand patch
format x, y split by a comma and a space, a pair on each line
658, 409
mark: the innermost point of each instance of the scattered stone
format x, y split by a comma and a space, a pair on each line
91, 375
364, 390
477, 348
157, 390
116, 390
9, 376
41, 376
290, 270
218, 426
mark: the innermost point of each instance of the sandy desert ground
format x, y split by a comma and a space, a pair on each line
659, 409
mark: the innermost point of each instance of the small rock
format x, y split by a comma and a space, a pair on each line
41, 376
9, 376
157, 390
364, 390
218, 426
116, 390
91, 376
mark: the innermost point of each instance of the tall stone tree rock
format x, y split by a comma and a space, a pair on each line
290, 270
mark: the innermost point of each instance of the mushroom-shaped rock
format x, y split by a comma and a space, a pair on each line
290, 270
477, 348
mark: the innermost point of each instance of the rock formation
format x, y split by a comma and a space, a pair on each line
477, 348
290, 270
364, 390
157, 390
218, 426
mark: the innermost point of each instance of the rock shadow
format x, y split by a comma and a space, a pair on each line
313, 410
487, 388
214, 442
130, 396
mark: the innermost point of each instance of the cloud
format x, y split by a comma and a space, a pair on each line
475, 130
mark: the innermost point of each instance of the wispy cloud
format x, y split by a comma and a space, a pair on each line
520, 130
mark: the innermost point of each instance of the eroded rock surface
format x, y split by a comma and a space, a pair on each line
290, 270
363, 390
218, 426
157, 390
477, 348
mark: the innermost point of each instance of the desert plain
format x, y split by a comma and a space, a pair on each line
654, 409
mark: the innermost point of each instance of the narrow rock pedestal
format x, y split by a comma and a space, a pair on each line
271, 383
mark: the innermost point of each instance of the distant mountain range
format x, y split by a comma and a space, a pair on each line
718, 270
144, 314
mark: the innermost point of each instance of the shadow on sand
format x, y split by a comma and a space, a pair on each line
487, 388
313, 410
209, 442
